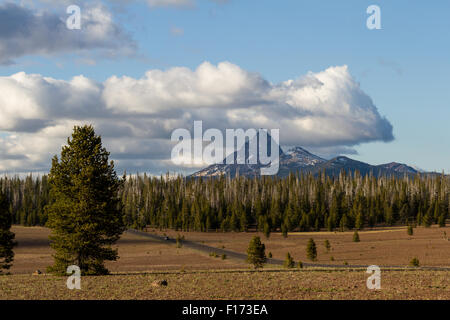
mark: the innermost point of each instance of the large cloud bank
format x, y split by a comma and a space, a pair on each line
27, 32
137, 116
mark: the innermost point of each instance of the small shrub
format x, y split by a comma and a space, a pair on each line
224, 256
414, 262
327, 245
332, 258
179, 240
356, 237
213, 254
346, 263
269, 255
410, 231
300, 265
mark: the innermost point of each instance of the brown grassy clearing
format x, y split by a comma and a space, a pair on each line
383, 247
136, 254
220, 279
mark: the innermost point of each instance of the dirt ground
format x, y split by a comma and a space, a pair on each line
297, 285
383, 247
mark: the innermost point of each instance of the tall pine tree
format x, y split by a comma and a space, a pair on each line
85, 215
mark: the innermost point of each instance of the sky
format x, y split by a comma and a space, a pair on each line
139, 69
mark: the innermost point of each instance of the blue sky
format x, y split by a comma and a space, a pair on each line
403, 67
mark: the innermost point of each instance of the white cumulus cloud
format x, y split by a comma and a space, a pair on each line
324, 110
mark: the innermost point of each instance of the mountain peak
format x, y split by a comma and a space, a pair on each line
297, 159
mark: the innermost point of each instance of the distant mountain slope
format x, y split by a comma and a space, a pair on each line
336, 165
398, 167
298, 159
293, 160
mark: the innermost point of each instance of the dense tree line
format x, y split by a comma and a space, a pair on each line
27, 198
297, 202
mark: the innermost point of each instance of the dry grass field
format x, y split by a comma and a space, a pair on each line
136, 254
383, 247
234, 285
195, 275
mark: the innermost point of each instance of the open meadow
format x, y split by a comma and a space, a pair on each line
193, 274
135, 254
383, 247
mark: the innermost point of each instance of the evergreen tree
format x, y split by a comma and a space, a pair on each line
317, 225
359, 221
437, 212
311, 250
441, 220
419, 217
427, 219
85, 215
6, 236
256, 252
284, 230
289, 261
330, 224
343, 223
267, 230
356, 236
